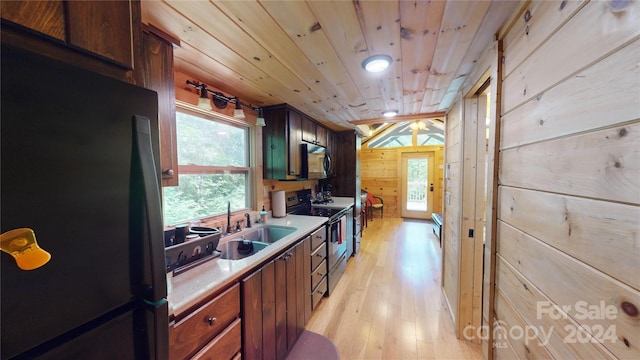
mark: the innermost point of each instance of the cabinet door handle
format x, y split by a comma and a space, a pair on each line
212, 320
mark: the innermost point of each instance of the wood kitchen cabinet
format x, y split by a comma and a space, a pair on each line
285, 131
103, 28
46, 17
313, 132
212, 331
274, 302
346, 179
102, 36
317, 285
281, 139
346, 167
158, 76
322, 136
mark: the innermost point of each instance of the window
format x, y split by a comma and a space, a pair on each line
429, 132
213, 166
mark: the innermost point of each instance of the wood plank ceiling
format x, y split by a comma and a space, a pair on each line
309, 53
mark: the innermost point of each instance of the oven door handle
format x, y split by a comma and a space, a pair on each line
337, 218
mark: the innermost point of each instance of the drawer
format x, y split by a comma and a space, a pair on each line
357, 225
318, 274
318, 255
318, 237
225, 346
191, 333
318, 293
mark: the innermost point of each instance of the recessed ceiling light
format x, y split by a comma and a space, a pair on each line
390, 113
376, 63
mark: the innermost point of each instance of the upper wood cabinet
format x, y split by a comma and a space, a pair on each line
103, 28
313, 133
285, 131
294, 139
46, 17
281, 139
158, 76
322, 136
308, 130
98, 35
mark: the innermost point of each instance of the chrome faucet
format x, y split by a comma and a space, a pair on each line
248, 219
228, 217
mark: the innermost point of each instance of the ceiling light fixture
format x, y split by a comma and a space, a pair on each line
390, 113
238, 113
203, 101
376, 63
418, 125
260, 120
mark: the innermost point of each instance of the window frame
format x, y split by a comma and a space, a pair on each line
249, 170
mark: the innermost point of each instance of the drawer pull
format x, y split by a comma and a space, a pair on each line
320, 255
211, 321
320, 274
320, 292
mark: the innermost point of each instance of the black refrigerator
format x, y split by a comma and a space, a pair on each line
79, 166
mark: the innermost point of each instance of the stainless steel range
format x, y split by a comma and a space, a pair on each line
299, 203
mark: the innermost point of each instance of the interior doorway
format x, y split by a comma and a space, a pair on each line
417, 185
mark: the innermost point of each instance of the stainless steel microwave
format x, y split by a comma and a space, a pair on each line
316, 161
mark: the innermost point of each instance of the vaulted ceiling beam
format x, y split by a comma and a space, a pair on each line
439, 114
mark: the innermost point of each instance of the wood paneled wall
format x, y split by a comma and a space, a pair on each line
469, 195
381, 175
452, 208
568, 226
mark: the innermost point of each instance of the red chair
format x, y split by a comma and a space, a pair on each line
374, 203
364, 209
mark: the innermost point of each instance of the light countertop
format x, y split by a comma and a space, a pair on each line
194, 285
339, 202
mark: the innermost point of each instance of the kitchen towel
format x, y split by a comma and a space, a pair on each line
343, 230
278, 204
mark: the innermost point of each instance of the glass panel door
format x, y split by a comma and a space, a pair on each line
417, 185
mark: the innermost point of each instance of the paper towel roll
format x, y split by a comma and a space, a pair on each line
278, 204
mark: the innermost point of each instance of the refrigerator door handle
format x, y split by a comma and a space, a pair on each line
156, 325
142, 130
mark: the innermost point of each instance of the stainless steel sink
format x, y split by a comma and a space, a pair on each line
240, 249
251, 242
269, 234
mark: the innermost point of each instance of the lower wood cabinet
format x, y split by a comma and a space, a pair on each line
318, 264
224, 346
274, 302
212, 331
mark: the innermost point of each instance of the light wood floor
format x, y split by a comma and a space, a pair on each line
389, 304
